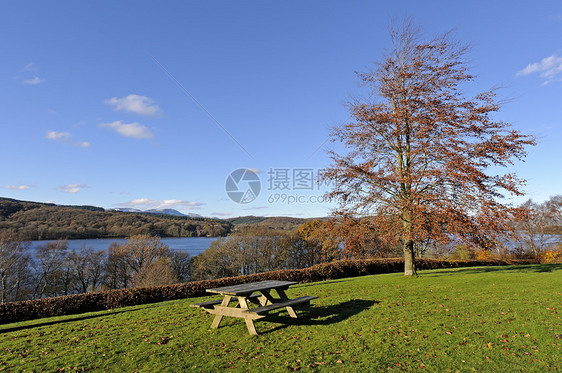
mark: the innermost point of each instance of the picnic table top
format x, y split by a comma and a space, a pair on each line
243, 289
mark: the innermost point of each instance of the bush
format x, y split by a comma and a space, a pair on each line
552, 256
90, 302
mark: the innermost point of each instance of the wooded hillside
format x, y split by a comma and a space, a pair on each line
44, 221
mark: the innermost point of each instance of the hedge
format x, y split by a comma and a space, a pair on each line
90, 302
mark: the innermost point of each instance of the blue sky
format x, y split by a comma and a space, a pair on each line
153, 104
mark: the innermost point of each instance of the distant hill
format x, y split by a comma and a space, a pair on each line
157, 212
164, 212
46, 221
279, 222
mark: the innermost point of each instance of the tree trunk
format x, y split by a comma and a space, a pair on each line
409, 259
408, 245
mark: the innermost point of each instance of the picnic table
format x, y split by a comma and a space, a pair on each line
258, 293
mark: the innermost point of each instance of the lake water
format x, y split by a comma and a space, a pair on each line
192, 245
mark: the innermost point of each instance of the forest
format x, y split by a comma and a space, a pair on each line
44, 221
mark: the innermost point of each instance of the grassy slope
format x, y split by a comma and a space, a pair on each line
487, 319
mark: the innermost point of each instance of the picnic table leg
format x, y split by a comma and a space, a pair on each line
218, 318
284, 297
266, 298
249, 322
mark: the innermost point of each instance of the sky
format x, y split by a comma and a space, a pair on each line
147, 104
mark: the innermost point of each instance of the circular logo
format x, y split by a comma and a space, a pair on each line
243, 185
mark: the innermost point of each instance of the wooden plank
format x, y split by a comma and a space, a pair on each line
249, 323
234, 312
284, 298
287, 303
255, 298
218, 318
249, 288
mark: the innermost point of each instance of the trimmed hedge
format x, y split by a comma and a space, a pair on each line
90, 302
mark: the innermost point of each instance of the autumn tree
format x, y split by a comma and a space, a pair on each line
420, 152
312, 243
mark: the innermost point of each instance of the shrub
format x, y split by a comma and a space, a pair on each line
552, 256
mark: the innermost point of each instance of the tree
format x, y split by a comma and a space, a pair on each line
88, 269
538, 224
157, 273
117, 276
419, 150
127, 260
312, 244
532, 226
181, 265
14, 268
141, 250
50, 269
554, 206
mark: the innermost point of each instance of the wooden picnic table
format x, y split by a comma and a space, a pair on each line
258, 293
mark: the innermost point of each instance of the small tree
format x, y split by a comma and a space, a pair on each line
419, 150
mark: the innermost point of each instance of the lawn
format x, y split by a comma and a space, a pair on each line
475, 319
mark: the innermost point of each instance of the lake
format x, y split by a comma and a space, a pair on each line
192, 245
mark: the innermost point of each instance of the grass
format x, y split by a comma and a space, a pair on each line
475, 319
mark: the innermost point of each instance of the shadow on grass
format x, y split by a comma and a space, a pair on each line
68, 319
530, 268
321, 315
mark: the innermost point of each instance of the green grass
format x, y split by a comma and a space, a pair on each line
477, 319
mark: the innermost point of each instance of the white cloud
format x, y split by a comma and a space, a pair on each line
135, 104
30, 67
147, 203
550, 68
34, 81
58, 136
65, 138
133, 130
72, 188
18, 187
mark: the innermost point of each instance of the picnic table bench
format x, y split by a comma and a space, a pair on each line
258, 293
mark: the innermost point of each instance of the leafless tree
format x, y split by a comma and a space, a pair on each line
88, 269
14, 269
49, 273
